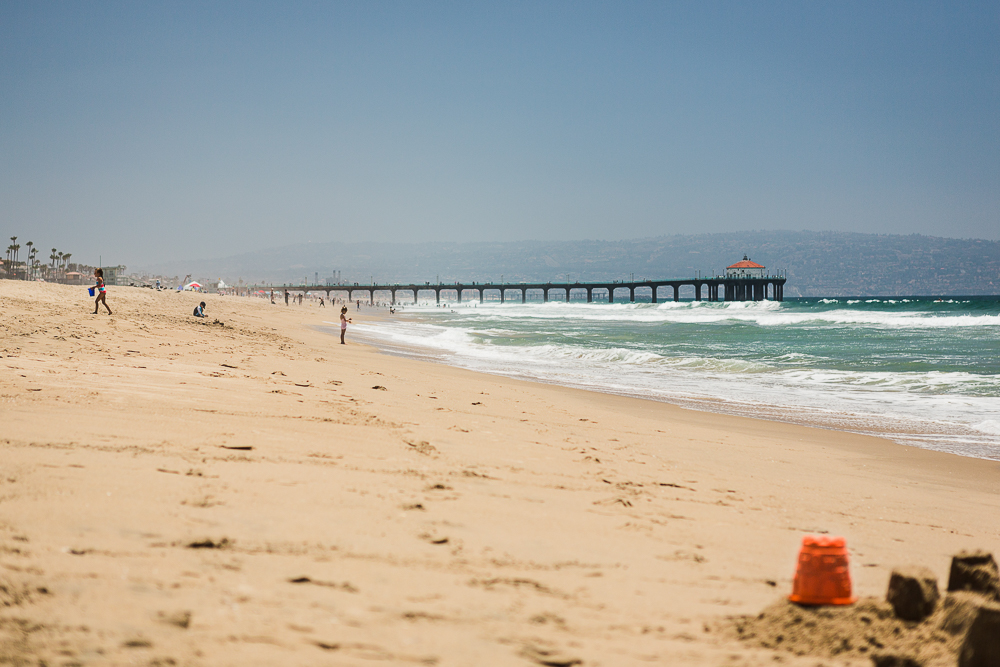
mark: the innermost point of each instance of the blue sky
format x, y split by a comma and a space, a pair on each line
152, 131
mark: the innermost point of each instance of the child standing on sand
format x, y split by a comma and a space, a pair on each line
344, 319
101, 291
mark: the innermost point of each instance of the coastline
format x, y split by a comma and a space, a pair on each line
852, 442
449, 517
932, 434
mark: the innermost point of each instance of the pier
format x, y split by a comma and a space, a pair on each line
765, 288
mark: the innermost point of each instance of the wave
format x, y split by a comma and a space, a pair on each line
467, 344
761, 313
990, 426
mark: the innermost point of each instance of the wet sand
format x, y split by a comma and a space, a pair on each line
248, 491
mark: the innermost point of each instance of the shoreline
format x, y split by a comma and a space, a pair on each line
892, 429
250, 492
853, 442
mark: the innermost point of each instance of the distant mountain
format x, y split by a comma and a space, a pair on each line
816, 263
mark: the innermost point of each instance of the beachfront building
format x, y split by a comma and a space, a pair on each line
115, 275
745, 269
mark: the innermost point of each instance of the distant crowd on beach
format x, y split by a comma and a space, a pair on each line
321, 301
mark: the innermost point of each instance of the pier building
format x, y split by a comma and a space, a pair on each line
745, 269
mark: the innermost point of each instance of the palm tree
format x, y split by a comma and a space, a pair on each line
31, 256
53, 257
66, 259
13, 251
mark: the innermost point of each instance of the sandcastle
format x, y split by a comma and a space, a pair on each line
914, 626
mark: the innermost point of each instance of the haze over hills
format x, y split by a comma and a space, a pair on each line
816, 263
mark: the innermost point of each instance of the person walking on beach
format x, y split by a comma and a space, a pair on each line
101, 291
321, 303
286, 297
344, 319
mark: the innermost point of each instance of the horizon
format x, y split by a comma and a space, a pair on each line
851, 262
152, 266
745, 242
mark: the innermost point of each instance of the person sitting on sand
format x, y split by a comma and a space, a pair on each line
344, 319
101, 291
199, 310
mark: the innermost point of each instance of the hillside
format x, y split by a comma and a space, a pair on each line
816, 263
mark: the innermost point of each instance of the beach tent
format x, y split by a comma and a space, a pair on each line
192, 286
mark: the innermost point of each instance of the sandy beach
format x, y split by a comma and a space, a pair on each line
244, 490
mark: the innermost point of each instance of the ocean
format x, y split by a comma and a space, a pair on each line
920, 371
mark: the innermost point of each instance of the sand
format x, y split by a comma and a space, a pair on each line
176, 491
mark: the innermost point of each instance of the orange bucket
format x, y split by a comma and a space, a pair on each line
822, 575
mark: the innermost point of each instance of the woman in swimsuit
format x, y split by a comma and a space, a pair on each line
101, 292
344, 319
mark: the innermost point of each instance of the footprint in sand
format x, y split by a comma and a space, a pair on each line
438, 487
182, 619
209, 543
422, 447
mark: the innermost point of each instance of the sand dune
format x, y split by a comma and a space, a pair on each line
244, 490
